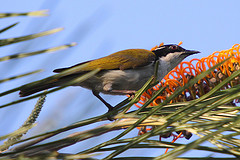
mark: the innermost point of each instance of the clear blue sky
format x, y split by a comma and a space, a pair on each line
100, 28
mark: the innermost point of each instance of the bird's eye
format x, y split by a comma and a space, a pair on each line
173, 47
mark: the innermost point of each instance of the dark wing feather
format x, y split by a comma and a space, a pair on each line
126, 59
63, 69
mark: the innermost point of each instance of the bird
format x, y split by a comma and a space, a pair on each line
121, 73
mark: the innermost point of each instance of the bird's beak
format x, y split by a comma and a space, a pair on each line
190, 52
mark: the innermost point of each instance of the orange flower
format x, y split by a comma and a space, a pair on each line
186, 70
180, 75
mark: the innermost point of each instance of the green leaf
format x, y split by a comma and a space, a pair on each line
19, 76
8, 41
155, 109
8, 27
39, 13
22, 55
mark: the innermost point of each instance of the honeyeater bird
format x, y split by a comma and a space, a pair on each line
121, 73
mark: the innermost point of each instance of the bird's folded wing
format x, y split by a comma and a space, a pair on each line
126, 59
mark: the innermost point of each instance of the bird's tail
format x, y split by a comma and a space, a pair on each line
37, 86
46, 83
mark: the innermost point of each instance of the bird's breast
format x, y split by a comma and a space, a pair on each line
108, 81
132, 79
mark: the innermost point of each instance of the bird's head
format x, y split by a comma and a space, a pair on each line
172, 53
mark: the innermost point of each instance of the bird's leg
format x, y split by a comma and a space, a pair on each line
109, 106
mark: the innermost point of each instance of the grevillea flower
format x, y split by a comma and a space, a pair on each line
180, 75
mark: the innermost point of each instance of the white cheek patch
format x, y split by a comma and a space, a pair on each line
171, 56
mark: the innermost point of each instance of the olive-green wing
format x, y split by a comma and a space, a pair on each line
126, 59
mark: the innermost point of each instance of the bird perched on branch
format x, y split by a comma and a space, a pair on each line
121, 73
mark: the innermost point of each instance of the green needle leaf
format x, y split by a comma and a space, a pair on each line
8, 27
8, 41
22, 55
39, 13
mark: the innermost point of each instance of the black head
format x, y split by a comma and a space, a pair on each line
164, 50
